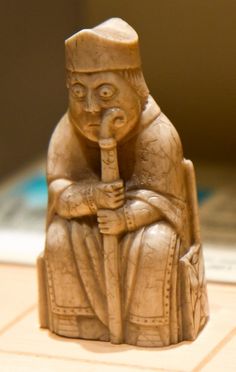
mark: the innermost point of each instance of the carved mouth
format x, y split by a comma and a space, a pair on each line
93, 125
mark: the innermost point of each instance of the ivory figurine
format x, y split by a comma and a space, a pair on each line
123, 258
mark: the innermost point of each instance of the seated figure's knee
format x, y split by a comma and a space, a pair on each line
157, 239
159, 232
57, 238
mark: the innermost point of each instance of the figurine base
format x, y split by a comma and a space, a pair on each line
79, 327
92, 329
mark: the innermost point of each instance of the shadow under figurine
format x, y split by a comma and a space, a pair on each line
123, 258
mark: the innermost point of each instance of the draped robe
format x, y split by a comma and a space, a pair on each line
151, 165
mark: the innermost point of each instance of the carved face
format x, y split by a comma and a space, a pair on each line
91, 95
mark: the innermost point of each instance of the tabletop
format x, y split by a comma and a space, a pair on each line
25, 347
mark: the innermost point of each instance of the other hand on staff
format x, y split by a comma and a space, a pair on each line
111, 222
109, 195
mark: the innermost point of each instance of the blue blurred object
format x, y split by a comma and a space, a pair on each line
203, 194
33, 191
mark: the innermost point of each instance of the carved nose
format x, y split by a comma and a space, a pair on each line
91, 104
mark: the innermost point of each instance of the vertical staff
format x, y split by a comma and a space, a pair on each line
110, 173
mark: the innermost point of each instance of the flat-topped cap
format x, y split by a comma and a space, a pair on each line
112, 45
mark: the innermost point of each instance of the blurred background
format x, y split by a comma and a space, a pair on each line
189, 55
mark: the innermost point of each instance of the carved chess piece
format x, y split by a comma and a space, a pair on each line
123, 257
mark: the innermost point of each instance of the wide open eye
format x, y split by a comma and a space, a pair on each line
106, 91
79, 90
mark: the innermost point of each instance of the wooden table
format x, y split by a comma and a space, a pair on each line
26, 348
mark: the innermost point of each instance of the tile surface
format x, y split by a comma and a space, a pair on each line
23, 344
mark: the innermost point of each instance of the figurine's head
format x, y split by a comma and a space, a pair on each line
104, 72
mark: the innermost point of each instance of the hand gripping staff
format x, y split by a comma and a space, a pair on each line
113, 119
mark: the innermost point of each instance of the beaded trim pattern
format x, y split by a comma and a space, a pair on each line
164, 319
129, 219
63, 310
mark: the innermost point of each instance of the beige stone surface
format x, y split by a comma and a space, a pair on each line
222, 359
18, 292
24, 347
28, 339
25, 363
